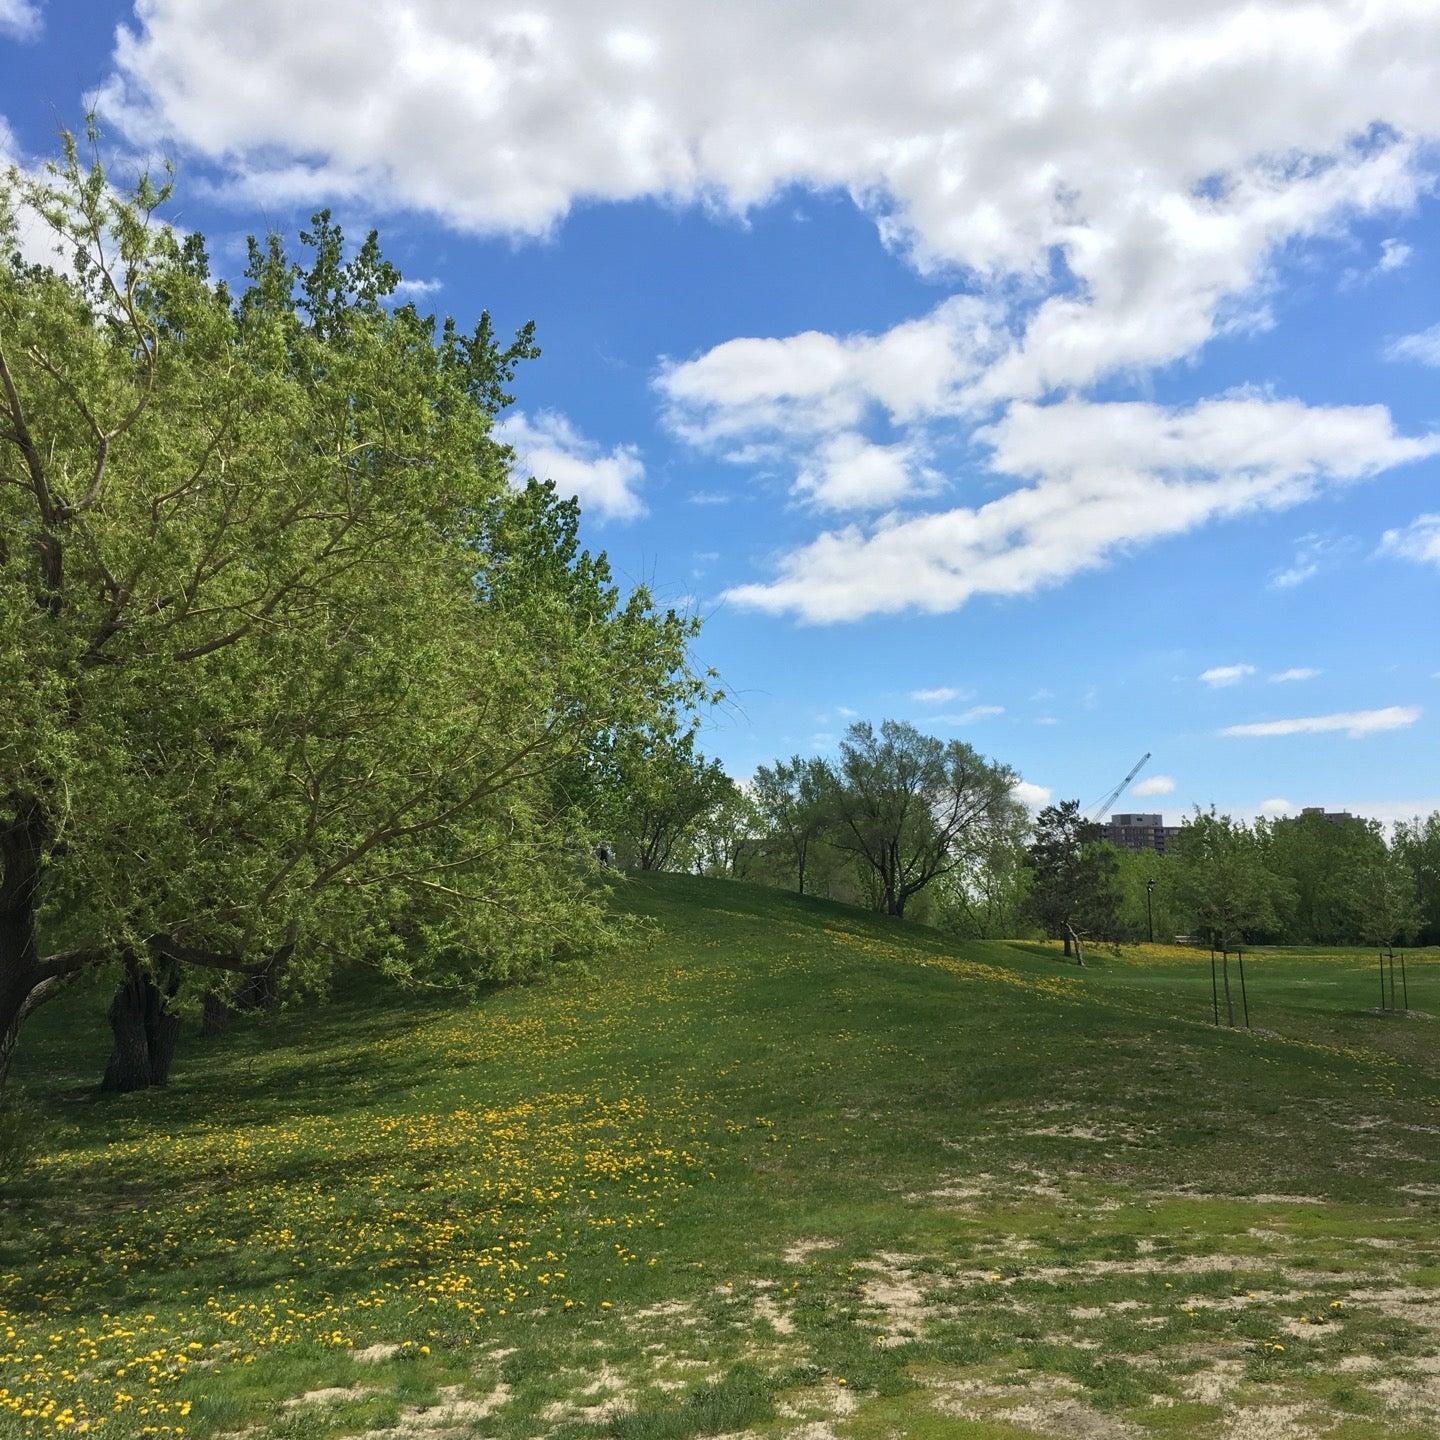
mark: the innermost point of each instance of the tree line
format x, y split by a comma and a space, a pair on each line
294, 677
913, 825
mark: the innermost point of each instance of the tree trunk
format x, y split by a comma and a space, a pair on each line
144, 1031
22, 846
1067, 943
1225, 971
802, 869
215, 1015
8, 1039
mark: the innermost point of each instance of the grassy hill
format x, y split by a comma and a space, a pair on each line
787, 1169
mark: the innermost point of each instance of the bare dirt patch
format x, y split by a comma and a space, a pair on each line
779, 1320
374, 1354
893, 1289
802, 1250
330, 1395
1268, 1422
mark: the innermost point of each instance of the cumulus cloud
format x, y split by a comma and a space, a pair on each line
801, 386
19, 19
1276, 807
1418, 541
1355, 723
1421, 346
1154, 785
1031, 795
1110, 196
1295, 672
940, 695
548, 446
1221, 675
987, 139
1095, 478
993, 142
849, 472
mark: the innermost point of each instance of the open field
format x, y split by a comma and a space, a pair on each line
787, 1170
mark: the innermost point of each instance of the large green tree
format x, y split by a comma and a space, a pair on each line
910, 808
987, 896
1223, 881
1417, 841
1073, 888
793, 799
654, 789
291, 669
1316, 858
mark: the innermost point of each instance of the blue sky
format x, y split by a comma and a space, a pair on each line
1051, 380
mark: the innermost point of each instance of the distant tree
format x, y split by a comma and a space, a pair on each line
659, 788
729, 835
792, 797
1073, 877
1316, 858
1417, 842
1137, 870
910, 808
988, 895
1383, 900
1223, 881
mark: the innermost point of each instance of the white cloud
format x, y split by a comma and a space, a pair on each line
940, 695
413, 289
1221, 675
1112, 194
986, 138
1096, 478
1394, 253
547, 445
1116, 189
1276, 807
848, 472
1422, 346
1313, 553
968, 717
1030, 795
1355, 723
1154, 785
1418, 541
1296, 672
813, 383
19, 19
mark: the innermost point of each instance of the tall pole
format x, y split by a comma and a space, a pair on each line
1150, 907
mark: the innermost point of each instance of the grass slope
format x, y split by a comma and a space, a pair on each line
787, 1170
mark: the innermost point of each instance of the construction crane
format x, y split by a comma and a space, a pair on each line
1100, 811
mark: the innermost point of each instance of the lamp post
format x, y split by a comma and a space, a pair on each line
1150, 907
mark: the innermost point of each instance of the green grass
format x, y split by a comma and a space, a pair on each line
788, 1170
